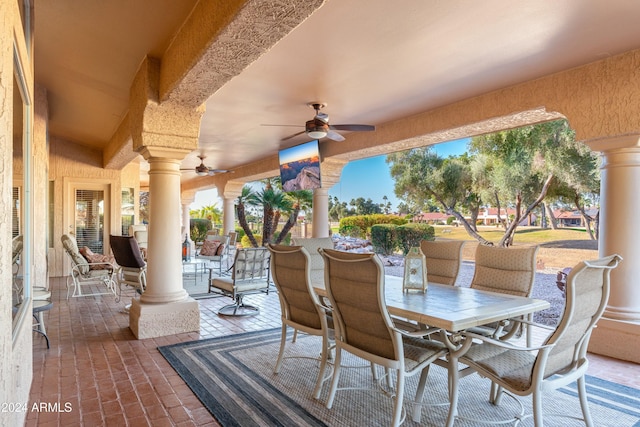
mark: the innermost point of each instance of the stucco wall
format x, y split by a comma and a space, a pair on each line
15, 355
69, 162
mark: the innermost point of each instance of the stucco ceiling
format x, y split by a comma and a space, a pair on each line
371, 61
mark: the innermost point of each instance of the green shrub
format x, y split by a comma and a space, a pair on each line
239, 234
246, 243
383, 238
285, 241
410, 235
365, 222
198, 229
450, 220
351, 231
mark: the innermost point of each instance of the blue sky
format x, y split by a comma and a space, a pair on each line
368, 178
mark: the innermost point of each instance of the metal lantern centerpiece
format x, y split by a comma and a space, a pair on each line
186, 250
415, 271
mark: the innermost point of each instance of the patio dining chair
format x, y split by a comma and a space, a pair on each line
363, 327
560, 360
301, 309
510, 271
316, 262
443, 259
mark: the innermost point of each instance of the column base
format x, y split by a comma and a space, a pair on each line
158, 320
617, 339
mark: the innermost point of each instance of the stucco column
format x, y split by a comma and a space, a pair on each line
228, 215
164, 133
330, 170
618, 331
188, 197
231, 190
164, 308
320, 213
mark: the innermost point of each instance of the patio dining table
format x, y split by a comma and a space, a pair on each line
452, 309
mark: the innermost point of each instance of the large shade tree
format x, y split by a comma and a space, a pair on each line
511, 169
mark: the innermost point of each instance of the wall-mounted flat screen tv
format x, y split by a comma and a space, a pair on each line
300, 167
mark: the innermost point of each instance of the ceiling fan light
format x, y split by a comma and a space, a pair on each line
317, 133
316, 129
202, 170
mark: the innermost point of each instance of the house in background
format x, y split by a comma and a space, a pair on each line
573, 218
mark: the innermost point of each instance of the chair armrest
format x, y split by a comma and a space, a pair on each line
537, 325
417, 334
504, 344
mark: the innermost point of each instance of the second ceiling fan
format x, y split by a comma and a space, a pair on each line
319, 126
203, 170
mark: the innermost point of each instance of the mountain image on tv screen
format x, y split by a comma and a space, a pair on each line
300, 167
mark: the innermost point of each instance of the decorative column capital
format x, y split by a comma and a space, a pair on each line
160, 125
614, 143
330, 171
232, 189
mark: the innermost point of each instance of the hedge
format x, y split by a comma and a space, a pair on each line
384, 239
410, 235
364, 223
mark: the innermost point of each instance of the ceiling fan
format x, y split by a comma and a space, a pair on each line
203, 170
319, 126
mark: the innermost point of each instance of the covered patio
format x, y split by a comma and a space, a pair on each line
110, 378
113, 98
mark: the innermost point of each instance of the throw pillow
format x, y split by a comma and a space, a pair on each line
220, 250
97, 259
209, 247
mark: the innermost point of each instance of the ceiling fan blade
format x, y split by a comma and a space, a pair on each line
292, 136
293, 126
359, 128
335, 136
217, 171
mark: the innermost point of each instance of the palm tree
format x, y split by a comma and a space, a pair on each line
247, 197
210, 212
300, 200
272, 201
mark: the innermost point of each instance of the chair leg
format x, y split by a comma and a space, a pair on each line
584, 404
336, 377
495, 394
397, 406
453, 391
537, 408
417, 409
283, 343
323, 367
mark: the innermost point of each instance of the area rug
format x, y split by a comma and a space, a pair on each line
233, 377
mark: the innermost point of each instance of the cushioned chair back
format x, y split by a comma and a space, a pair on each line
140, 233
290, 273
316, 263
70, 245
505, 270
233, 237
250, 264
443, 260
17, 244
355, 285
587, 293
126, 251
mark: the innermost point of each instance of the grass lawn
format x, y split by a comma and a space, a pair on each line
559, 248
